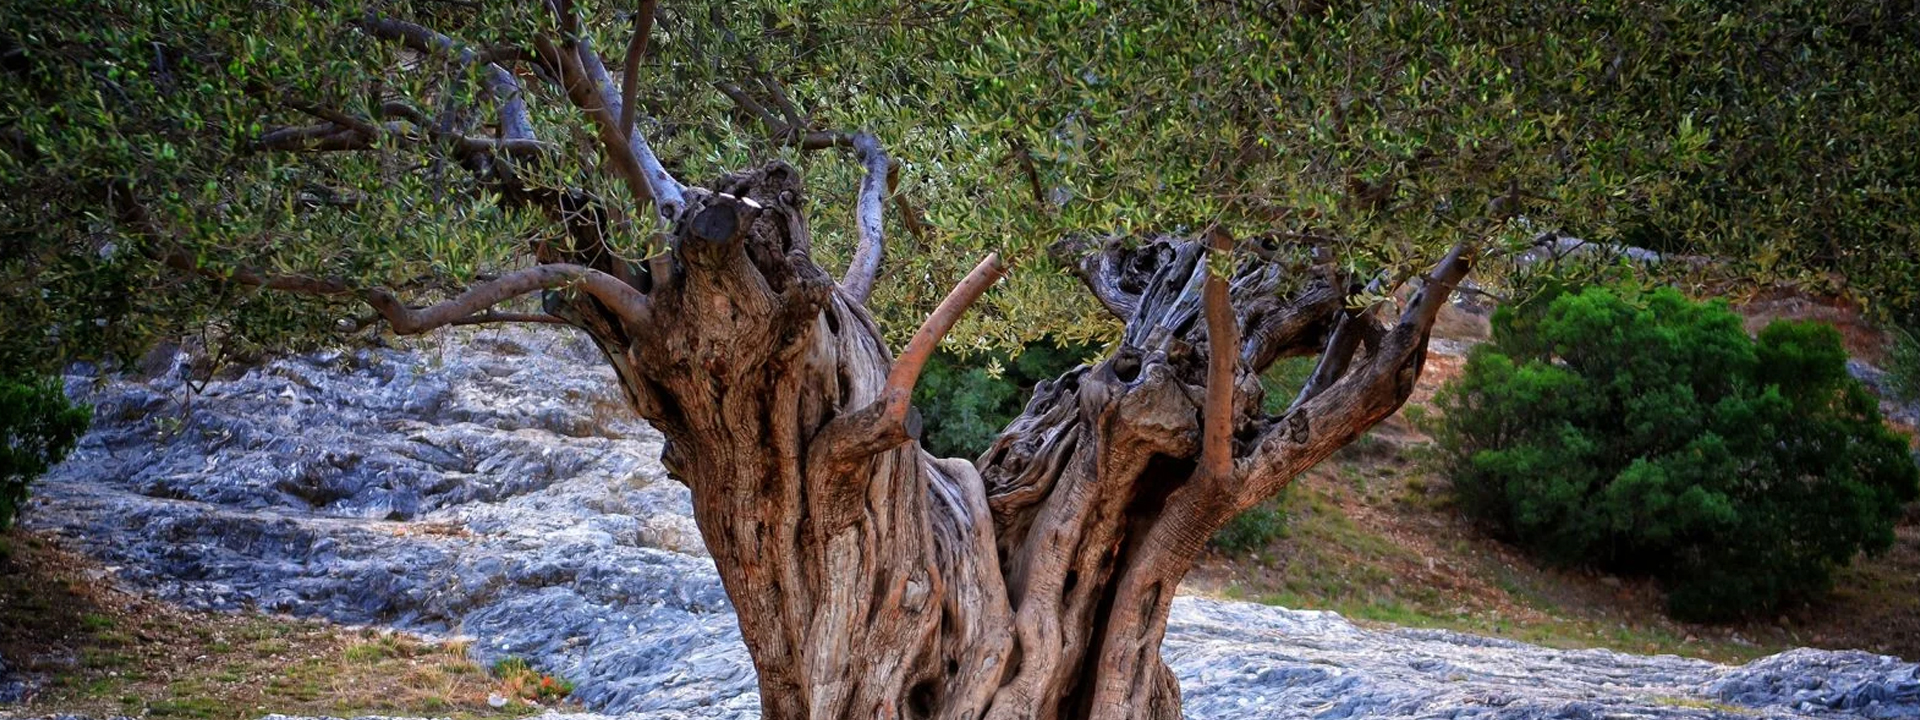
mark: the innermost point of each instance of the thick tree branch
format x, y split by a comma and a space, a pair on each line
1334, 360
1101, 264
337, 117
301, 137
581, 92
865, 267
883, 423
619, 297
784, 132
795, 119
334, 138
905, 373
473, 305
668, 194
418, 38
1362, 396
495, 316
405, 111
303, 284
1223, 362
486, 317
775, 128
469, 307
811, 140
630, 75
823, 139
516, 125
1447, 274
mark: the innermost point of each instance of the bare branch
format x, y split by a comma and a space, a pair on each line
581, 93
668, 194
482, 318
495, 316
865, 268
405, 111
630, 78
775, 127
1341, 346
569, 20
883, 423
298, 137
416, 37
336, 117
905, 373
331, 138
909, 215
1223, 360
1100, 270
823, 139
1025, 157
505, 54
621, 298
515, 123
625, 301
516, 126
795, 120
811, 140
472, 306
303, 284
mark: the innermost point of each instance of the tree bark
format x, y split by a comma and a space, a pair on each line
873, 580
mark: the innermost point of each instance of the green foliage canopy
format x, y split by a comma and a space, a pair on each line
1776, 135
1650, 435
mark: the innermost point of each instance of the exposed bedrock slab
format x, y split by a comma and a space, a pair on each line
490, 484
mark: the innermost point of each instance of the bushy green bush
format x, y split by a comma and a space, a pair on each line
1903, 364
1648, 434
965, 402
1252, 530
38, 427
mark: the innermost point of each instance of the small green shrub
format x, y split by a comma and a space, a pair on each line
1252, 530
1283, 381
1650, 435
966, 401
1903, 364
38, 427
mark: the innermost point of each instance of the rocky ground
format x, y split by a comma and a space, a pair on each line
490, 485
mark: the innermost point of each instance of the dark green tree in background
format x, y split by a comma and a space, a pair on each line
1647, 434
966, 400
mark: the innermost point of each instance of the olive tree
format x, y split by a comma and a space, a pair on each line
1229, 183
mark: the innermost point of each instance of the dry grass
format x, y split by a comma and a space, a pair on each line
103, 651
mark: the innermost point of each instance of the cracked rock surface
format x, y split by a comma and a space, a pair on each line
492, 484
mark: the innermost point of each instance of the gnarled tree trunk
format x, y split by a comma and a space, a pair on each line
873, 580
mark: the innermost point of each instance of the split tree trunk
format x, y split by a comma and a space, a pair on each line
875, 581
872, 580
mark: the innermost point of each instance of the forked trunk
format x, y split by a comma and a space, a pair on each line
875, 581
872, 580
